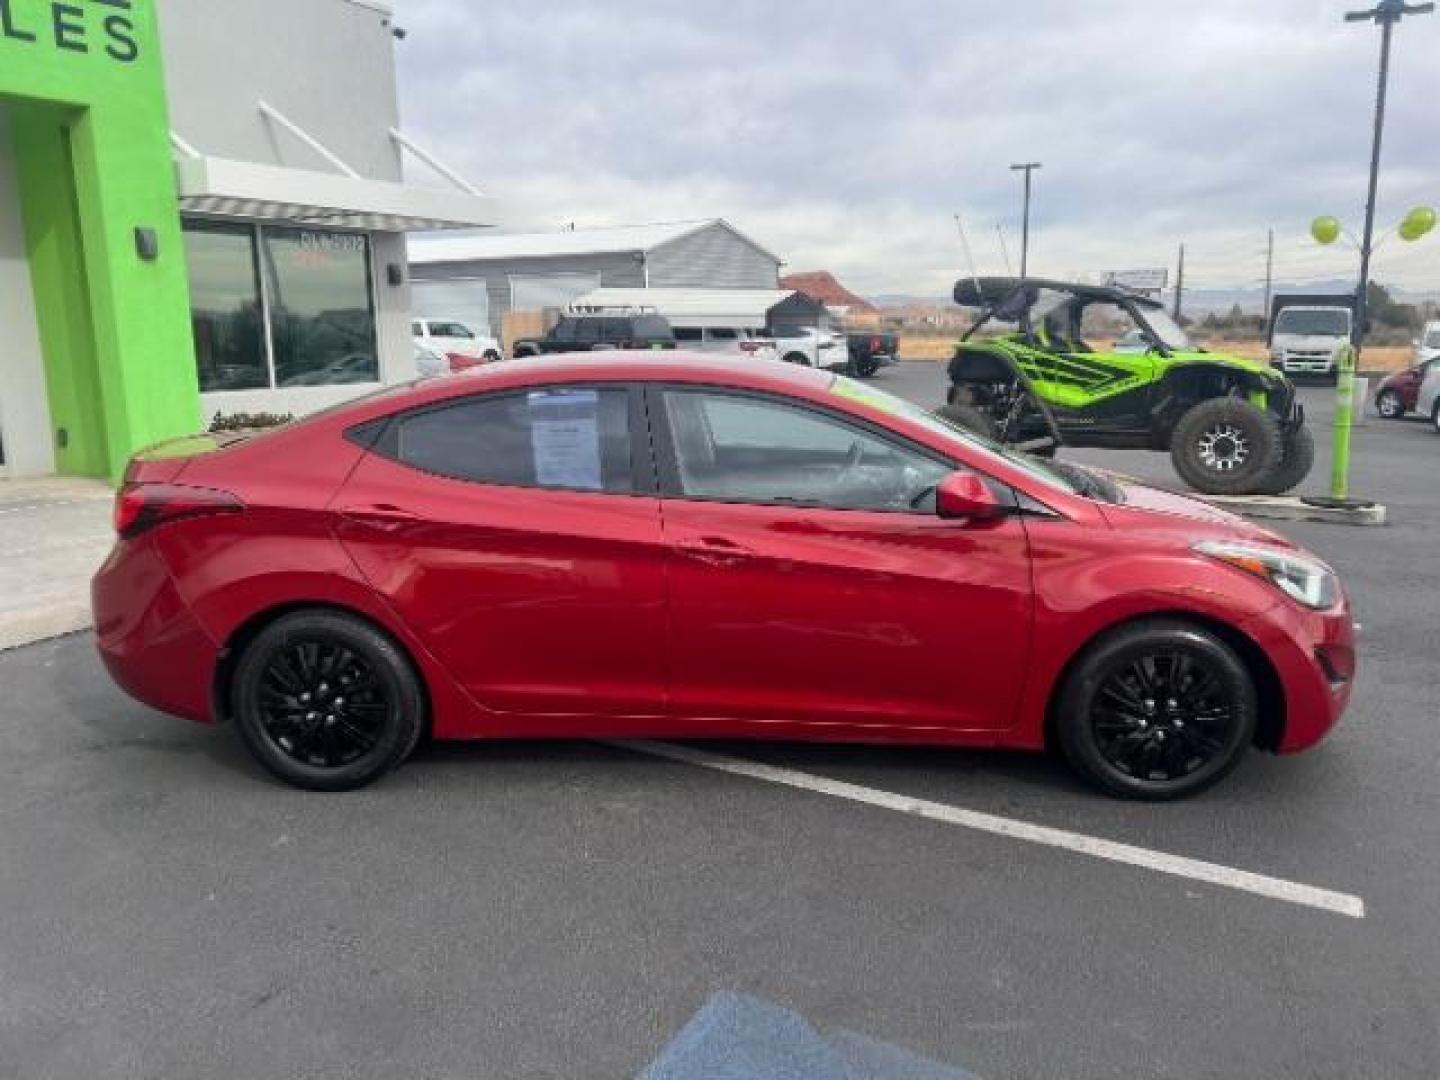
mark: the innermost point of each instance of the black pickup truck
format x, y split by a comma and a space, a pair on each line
870, 350
592, 333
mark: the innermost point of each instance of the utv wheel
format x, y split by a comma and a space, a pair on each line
1389, 406
1295, 466
1227, 446
1157, 710
326, 702
969, 419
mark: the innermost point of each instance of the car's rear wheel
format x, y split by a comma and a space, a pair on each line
326, 702
1157, 710
797, 358
1299, 460
1389, 406
1227, 446
969, 419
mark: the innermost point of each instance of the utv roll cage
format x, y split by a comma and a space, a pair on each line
1009, 299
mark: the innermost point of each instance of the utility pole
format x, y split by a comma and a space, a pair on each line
1180, 286
1028, 168
1269, 276
1387, 14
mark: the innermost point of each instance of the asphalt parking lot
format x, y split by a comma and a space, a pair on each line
565, 910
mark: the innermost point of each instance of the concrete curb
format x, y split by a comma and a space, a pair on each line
1290, 508
29, 626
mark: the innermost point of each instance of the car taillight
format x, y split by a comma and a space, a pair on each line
141, 507
876, 345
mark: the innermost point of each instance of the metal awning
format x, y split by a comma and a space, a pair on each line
242, 189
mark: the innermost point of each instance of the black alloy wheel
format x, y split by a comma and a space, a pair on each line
326, 702
1158, 710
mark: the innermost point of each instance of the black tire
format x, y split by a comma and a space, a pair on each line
526, 352
491, 357
1115, 722
797, 358
1295, 466
1226, 446
969, 419
313, 733
1389, 406
865, 367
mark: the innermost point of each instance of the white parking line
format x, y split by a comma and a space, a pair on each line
1226, 877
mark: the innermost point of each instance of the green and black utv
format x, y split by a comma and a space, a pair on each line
1088, 366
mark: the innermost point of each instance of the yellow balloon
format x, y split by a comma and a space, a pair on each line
1325, 230
1418, 223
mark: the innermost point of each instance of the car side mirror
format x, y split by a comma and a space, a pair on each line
963, 495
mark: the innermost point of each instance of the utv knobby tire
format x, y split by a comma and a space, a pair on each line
1298, 461
968, 418
1264, 447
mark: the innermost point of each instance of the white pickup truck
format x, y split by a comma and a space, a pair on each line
1306, 340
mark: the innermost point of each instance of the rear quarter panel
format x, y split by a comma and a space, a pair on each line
282, 552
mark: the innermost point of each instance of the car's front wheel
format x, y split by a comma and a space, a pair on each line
326, 702
1389, 406
1227, 446
1157, 710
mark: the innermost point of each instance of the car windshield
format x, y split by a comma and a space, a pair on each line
1316, 323
853, 390
1170, 333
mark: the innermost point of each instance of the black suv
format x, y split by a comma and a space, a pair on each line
592, 333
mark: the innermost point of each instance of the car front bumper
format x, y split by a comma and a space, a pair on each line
1313, 654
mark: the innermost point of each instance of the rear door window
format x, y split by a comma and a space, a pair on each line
566, 438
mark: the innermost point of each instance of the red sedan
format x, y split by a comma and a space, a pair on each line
630, 546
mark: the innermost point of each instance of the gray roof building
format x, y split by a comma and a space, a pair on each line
480, 278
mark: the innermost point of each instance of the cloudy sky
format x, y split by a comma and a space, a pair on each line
847, 135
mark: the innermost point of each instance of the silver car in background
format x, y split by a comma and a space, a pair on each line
1428, 401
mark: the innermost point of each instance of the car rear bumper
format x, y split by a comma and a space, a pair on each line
148, 640
1313, 654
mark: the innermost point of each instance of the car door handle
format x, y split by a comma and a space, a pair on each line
385, 517
715, 550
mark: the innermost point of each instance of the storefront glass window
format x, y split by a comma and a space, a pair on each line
225, 307
321, 316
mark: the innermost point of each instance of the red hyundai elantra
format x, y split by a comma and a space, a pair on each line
629, 546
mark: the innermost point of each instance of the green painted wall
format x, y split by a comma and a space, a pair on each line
85, 88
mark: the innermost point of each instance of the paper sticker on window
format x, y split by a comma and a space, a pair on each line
565, 437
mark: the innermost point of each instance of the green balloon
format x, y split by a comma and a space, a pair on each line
1418, 223
1325, 230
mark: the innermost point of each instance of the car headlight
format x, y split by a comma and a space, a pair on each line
1305, 581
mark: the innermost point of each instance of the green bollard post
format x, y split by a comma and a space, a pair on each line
1344, 421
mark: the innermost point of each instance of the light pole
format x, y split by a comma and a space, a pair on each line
1387, 13
1028, 168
